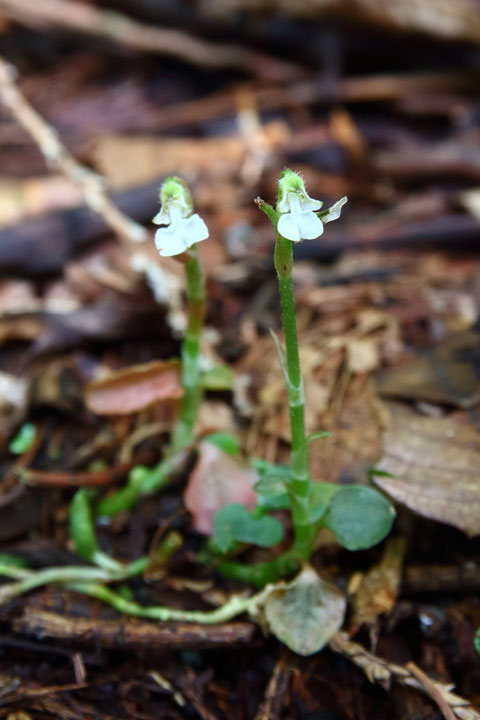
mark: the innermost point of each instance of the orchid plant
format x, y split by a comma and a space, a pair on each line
358, 515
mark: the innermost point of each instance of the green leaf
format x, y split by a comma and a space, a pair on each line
359, 517
269, 470
318, 435
272, 488
219, 377
373, 473
82, 531
322, 493
477, 641
305, 613
233, 523
226, 442
24, 439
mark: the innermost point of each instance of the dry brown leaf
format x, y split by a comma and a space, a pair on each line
447, 374
436, 466
135, 388
378, 588
355, 420
217, 480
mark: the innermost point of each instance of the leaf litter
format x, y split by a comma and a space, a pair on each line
405, 310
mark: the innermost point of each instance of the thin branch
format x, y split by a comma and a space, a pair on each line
379, 670
58, 157
164, 283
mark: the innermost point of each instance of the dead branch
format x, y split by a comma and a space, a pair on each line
58, 157
379, 670
164, 284
129, 634
118, 28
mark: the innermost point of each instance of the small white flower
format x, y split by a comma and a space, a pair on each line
299, 217
299, 221
182, 228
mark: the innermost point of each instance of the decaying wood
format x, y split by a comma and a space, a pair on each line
131, 634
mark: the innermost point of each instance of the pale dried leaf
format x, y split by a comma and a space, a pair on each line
135, 388
436, 466
378, 589
305, 613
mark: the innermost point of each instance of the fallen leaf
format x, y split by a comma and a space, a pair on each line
377, 590
447, 374
135, 388
217, 480
305, 613
436, 466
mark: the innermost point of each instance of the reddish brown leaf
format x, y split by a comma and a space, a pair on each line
217, 480
135, 388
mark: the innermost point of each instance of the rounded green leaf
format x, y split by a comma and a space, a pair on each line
359, 517
477, 641
233, 523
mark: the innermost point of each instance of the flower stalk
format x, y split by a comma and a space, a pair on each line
179, 234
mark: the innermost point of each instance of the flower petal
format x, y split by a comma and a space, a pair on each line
195, 229
308, 203
310, 226
169, 241
162, 217
335, 211
288, 227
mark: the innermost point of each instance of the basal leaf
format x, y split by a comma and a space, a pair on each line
322, 493
359, 517
234, 523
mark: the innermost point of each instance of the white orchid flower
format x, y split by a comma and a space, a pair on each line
183, 228
299, 217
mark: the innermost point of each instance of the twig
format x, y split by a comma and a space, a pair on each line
432, 689
127, 634
379, 670
271, 706
164, 283
118, 28
100, 478
58, 157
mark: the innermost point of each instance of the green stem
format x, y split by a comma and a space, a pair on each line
262, 573
301, 484
233, 607
184, 429
30, 579
145, 481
